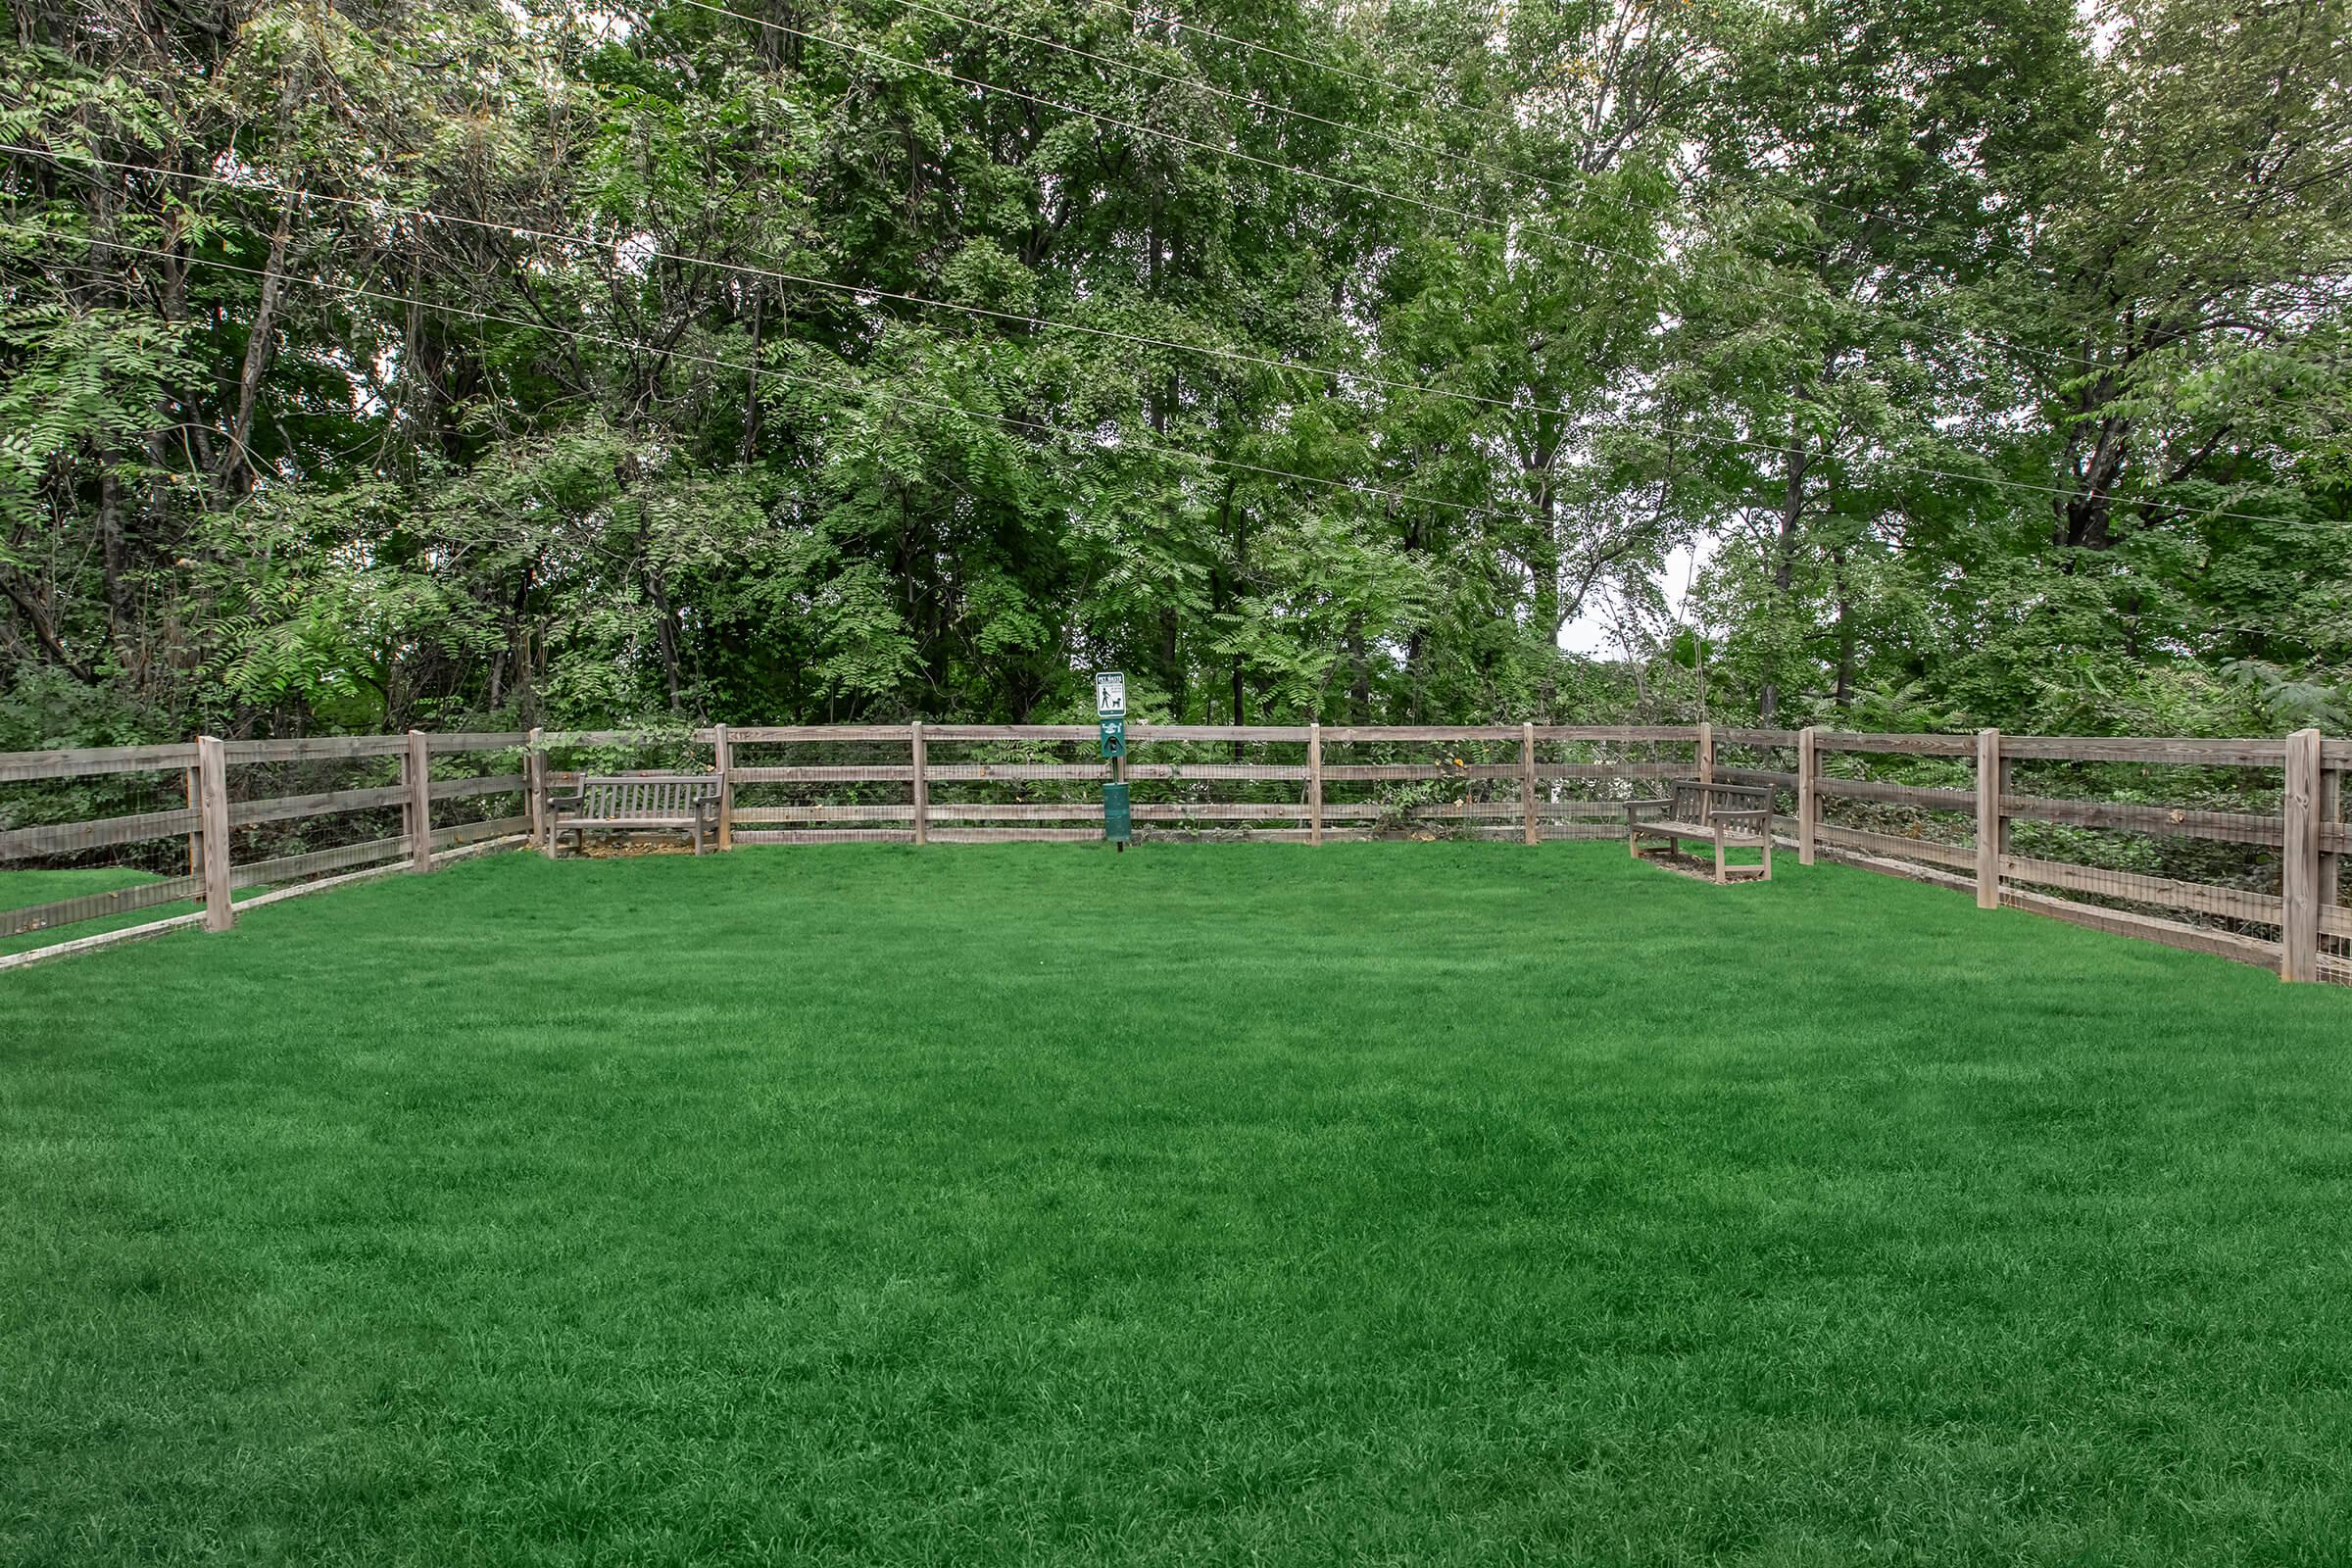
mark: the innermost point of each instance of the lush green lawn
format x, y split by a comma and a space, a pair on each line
1380, 1204
22, 890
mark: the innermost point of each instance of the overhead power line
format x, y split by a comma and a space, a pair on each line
511, 228
768, 373
1234, 356
1441, 208
1150, 18
1272, 105
1327, 67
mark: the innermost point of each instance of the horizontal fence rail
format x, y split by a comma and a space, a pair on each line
251, 822
94, 761
2227, 846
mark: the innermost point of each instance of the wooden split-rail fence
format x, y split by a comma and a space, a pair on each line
1943, 808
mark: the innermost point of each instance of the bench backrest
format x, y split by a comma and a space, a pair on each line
621, 796
1694, 802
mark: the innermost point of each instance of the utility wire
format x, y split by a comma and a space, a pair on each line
1313, 62
1441, 209
254, 182
1149, 18
1336, 374
613, 340
1277, 106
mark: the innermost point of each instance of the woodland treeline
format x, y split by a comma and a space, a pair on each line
422, 363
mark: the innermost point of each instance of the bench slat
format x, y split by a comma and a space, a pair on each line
618, 801
1697, 830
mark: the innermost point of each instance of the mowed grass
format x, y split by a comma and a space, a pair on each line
22, 889
1384, 1203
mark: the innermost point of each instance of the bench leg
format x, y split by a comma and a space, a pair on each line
1720, 878
1767, 876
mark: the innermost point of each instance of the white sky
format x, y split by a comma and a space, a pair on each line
1590, 633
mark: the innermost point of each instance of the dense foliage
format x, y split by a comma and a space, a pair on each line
415, 361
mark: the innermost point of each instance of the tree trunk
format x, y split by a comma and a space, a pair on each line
1547, 612
1784, 564
1171, 665
114, 560
665, 630
1240, 566
2084, 511
235, 476
26, 600
1845, 694
751, 383
1359, 684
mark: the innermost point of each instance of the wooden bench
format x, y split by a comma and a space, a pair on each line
635, 802
1729, 816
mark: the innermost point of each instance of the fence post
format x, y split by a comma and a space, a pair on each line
547, 789
922, 785
1808, 809
211, 814
2008, 787
2331, 816
1989, 819
193, 780
535, 784
2299, 860
416, 772
722, 756
1706, 752
1314, 782
1527, 779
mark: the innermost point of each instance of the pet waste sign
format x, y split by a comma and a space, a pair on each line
1111, 715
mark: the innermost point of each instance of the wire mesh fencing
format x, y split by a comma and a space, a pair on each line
2200, 844
94, 840
2234, 847
831, 784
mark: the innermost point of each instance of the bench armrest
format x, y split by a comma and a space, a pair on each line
1657, 805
